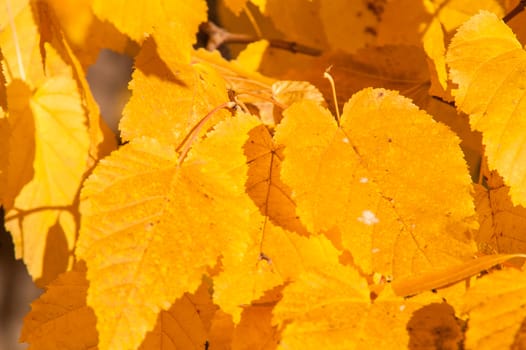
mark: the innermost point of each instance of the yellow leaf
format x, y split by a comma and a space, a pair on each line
60, 318
21, 52
49, 134
366, 181
244, 86
335, 300
288, 92
278, 256
250, 57
165, 20
487, 63
332, 310
86, 33
146, 220
496, 308
167, 105
421, 23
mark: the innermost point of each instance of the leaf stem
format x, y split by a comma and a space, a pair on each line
187, 142
328, 76
515, 11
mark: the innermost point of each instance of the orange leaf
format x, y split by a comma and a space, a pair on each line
60, 318
185, 325
502, 225
264, 184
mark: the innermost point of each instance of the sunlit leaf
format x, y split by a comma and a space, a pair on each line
376, 193
162, 19
487, 62
45, 172
159, 225
168, 105
331, 309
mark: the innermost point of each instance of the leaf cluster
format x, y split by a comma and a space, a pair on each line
254, 205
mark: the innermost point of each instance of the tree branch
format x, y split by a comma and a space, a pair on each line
515, 11
218, 36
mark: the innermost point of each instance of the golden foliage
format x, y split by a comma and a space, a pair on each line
240, 212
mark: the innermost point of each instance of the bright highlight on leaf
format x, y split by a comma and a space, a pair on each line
487, 62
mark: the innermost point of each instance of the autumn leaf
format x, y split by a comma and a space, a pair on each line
331, 309
239, 212
502, 224
186, 324
86, 33
337, 299
250, 57
167, 105
164, 20
67, 322
448, 276
172, 211
50, 144
60, 318
374, 198
486, 62
264, 184
426, 23
495, 305
252, 89
48, 131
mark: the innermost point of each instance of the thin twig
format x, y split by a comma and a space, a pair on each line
187, 142
516, 10
218, 36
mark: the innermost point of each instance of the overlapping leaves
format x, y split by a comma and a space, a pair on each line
242, 213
